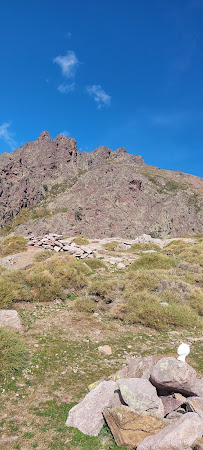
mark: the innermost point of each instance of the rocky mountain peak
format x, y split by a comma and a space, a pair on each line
104, 192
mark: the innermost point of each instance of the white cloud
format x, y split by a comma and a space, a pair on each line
67, 63
99, 95
66, 88
7, 136
65, 133
68, 35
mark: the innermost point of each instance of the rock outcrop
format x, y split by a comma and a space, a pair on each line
101, 193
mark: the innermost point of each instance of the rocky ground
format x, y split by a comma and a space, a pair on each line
71, 347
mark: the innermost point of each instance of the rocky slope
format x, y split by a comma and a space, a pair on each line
47, 185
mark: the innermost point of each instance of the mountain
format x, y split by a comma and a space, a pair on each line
49, 186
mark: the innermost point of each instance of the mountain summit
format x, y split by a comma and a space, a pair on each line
48, 185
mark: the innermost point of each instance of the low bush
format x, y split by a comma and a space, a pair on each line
12, 245
140, 280
81, 240
110, 246
95, 263
42, 256
146, 310
196, 302
105, 290
13, 288
13, 354
153, 261
85, 304
43, 287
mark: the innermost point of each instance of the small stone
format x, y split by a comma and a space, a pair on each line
105, 349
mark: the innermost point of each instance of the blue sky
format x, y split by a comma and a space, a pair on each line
106, 72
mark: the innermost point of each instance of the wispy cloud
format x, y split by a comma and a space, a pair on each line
99, 95
65, 133
66, 88
67, 63
7, 136
68, 35
168, 119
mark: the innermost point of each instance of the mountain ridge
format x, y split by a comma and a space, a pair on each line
100, 193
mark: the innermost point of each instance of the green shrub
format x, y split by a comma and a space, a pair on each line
69, 277
44, 287
95, 263
81, 240
85, 304
146, 310
104, 290
196, 302
13, 354
153, 261
42, 256
141, 280
12, 245
110, 246
13, 288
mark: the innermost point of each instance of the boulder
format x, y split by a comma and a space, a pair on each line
140, 367
129, 428
10, 319
139, 394
174, 375
87, 415
180, 435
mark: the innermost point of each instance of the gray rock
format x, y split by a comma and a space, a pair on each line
180, 435
139, 394
140, 367
56, 248
174, 375
87, 415
10, 319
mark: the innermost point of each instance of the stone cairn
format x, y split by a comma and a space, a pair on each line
56, 242
150, 404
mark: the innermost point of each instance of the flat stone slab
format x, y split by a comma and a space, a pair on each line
10, 319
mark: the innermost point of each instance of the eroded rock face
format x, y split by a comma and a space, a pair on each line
174, 375
106, 193
139, 394
129, 428
87, 415
180, 435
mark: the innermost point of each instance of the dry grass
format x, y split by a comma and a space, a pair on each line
12, 245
